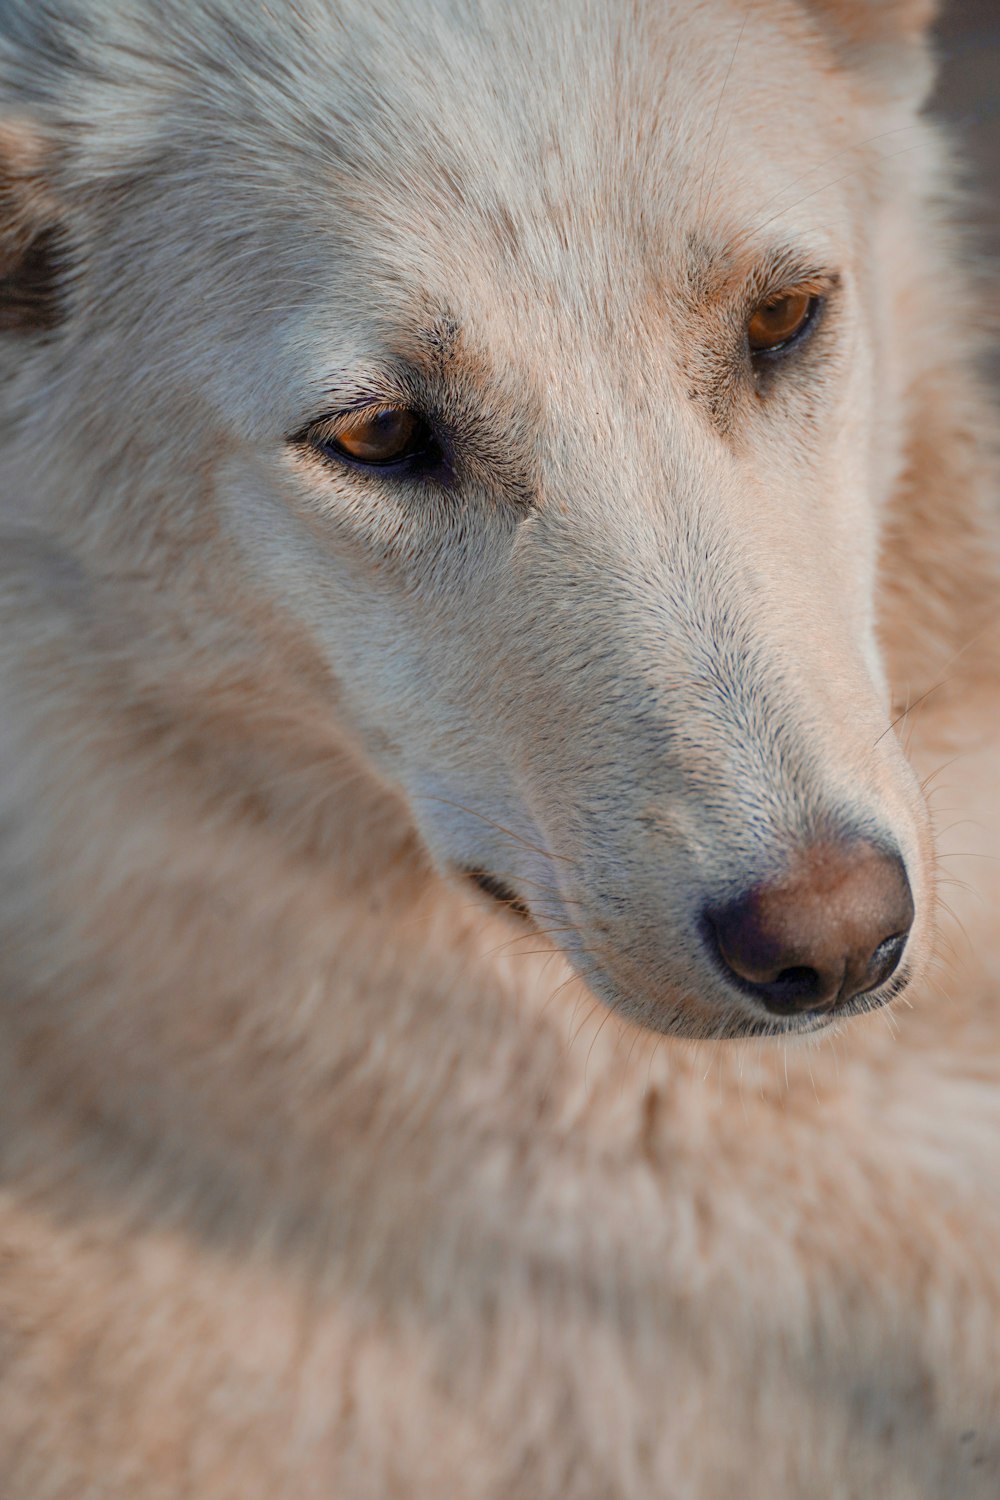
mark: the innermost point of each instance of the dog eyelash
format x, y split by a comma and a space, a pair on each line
783, 274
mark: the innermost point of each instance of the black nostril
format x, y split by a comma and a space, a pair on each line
795, 989
794, 985
798, 978
833, 927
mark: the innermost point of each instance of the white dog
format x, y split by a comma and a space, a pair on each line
483, 484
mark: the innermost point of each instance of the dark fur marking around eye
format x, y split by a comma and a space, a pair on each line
499, 892
440, 341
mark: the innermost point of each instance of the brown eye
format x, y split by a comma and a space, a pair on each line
389, 436
781, 321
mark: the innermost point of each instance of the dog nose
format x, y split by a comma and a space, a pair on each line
834, 926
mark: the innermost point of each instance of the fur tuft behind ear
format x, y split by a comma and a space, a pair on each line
31, 256
884, 41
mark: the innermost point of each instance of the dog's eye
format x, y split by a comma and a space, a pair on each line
380, 437
778, 322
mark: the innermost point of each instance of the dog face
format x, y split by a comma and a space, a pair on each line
532, 369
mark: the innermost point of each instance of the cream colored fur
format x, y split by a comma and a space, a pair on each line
322, 1177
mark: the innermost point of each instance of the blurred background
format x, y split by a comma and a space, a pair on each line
969, 97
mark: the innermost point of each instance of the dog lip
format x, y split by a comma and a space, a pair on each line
499, 892
803, 1023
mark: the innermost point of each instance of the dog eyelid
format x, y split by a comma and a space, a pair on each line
379, 437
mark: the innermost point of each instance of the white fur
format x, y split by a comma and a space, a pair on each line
322, 1177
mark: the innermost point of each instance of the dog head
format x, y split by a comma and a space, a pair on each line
537, 369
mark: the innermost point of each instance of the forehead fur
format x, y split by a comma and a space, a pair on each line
580, 194
603, 167
583, 105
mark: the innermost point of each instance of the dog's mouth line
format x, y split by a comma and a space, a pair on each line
807, 1023
503, 894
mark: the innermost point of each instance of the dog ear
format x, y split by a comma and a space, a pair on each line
884, 41
32, 246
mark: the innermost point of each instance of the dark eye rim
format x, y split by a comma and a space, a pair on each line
805, 330
426, 460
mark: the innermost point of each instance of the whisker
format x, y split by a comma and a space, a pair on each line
572, 978
593, 1043
892, 1025
960, 823
824, 187
490, 822
958, 923
509, 949
835, 156
582, 1024
966, 889
943, 767
973, 641
703, 203
909, 709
